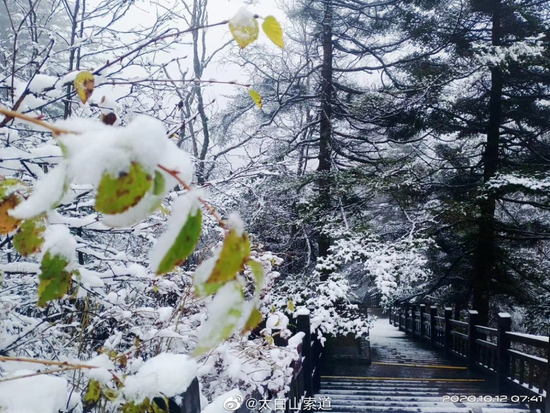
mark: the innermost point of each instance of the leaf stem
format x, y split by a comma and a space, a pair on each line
209, 207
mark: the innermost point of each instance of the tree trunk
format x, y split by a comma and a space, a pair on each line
325, 126
72, 54
486, 259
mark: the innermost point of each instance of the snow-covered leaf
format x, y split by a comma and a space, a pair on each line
224, 313
244, 28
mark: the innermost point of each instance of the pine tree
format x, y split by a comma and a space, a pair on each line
474, 112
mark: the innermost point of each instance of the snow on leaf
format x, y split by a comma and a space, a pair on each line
244, 28
256, 98
174, 247
84, 84
8, 223
47, 193
30, 236
117, 194
232, 258
273, 30
224, 313
55, 280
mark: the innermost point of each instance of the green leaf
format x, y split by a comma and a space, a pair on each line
116, 195
9, 186
256, 98
92, 395
157, 409
255, 318
183, 245
244, 32
273, 30
159, 184
258, 271
110, 394
233, 256
54, 278
29, 236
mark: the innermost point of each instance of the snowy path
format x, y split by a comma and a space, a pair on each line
405, 377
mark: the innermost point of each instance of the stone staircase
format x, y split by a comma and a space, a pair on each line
373, 395
407, 377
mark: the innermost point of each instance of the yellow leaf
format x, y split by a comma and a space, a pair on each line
254, 319
84, 84
273, 30
244, 28
8, 223
290, 307
256, 98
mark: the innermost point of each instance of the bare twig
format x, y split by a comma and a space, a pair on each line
54, 129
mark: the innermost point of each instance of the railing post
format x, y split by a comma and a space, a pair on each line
422, 325
503, 357
406, 318
192, 399
433, 331
390, 316
399, 318
413, 320
448, 337
547, 401
473, 317
303, 324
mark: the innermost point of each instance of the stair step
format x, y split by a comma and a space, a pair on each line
416, 387
394, 392
417, 403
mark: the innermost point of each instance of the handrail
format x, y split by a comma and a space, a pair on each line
305, 383
485, 348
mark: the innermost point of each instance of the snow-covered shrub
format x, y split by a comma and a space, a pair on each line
94, 303
396, 268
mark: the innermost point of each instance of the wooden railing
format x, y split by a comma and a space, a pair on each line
305, 383
518, 362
